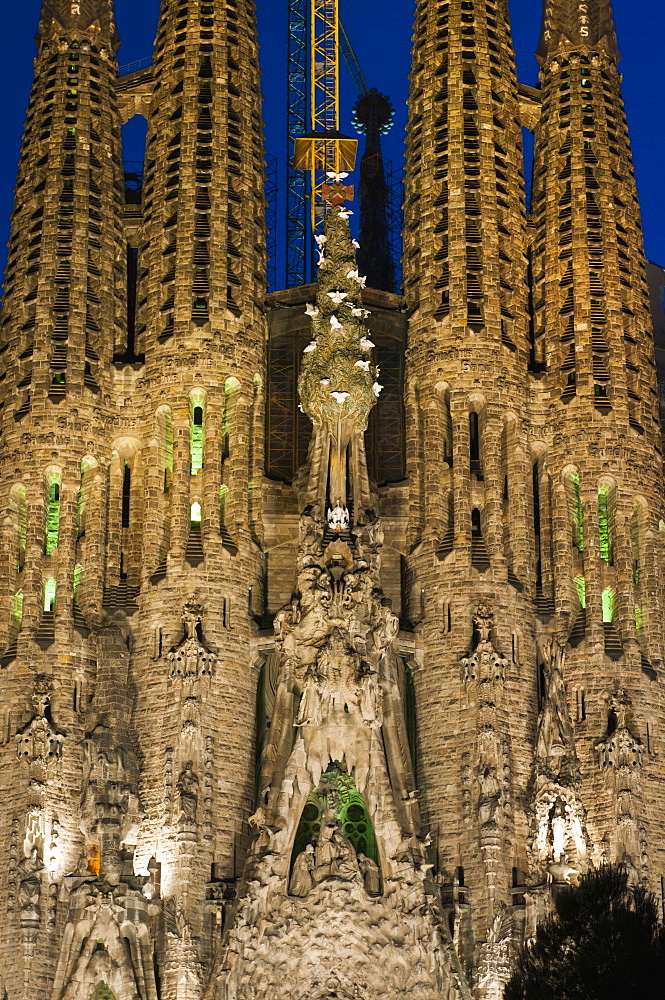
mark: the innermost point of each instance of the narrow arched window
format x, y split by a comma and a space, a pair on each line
53, 517
196, 438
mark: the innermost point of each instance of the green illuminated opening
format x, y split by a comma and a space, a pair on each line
196, 440
337, 791
579, 523
49, 594
604, 525
608, 605
580, 586
223, 490
195, 515
17, 606
639, 619
53, 518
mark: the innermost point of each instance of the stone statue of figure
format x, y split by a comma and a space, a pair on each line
555, 731
188, 785
345, 864
371, 876
30, 883
558, 823
326, 850
309, 712
490, 793
302, 881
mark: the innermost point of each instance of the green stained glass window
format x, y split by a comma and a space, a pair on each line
53, 518
337, 791
196, 440
639, 619
604, 526
608, 605
17, 606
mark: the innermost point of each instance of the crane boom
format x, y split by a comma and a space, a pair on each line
351, 60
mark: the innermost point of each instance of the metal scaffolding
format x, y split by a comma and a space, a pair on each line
298, 250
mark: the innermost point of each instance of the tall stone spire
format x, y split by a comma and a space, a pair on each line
569, 25
62, 321
598, 483
465, 273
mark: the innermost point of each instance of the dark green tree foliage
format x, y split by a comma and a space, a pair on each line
604, 942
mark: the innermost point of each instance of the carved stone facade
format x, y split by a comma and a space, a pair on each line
330, 620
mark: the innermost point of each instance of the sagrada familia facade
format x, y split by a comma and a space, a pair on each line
331, 620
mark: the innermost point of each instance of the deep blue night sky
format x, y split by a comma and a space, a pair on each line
380, 31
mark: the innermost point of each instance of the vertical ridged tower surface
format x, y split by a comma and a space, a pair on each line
601, 502
468, 540
63, 305
198, 402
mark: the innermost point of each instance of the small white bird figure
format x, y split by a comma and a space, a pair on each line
355, 244
362, 281
353, 275
362, 364
341, 397
300, 407
366, 344
322, 259
376, 389
335, 323
378, 371
337, 297
311, 310
325, 381
332, 175
346, 214
321, 240
310, 347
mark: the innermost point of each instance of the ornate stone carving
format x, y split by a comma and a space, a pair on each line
110, 806
29, 871
40, 743
192, 664
560, 844
107, 938
188, 789
620, 758
484, 668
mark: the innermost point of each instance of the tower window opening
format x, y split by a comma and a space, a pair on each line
476, 526
196, 440
474, 446
17, 607
580, 587
53, 518
49, 594
195, 515
604, 525
126, 495
608, 600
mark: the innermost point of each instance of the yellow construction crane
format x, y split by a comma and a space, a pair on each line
324, 150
